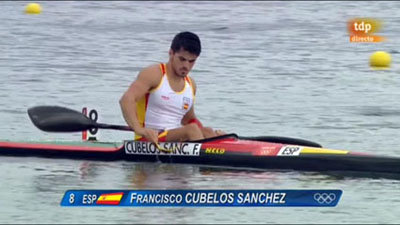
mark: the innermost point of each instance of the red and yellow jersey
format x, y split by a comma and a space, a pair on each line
163, 108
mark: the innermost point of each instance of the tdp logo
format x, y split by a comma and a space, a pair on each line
362, 27
362, 30
215, 150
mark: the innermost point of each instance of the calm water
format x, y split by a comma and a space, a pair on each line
267, 68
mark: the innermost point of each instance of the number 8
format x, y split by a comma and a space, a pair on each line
71, 198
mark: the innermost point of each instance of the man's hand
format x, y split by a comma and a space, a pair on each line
150, 134
219, 132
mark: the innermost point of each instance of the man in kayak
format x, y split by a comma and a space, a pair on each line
158, 105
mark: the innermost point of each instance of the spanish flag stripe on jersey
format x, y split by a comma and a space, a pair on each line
141, 107
163, 69
189, 80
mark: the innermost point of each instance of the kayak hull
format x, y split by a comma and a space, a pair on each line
228, 151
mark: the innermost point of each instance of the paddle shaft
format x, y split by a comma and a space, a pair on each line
126, 128
112, 127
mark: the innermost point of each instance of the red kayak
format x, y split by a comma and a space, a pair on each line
228, 151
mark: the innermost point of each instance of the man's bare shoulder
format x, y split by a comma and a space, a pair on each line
151, 74
153, 69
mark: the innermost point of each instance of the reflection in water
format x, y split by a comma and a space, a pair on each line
132, 175
45, 181
159, 176
144, 175
86, 169
232, 172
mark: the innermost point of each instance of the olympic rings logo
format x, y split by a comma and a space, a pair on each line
324, 198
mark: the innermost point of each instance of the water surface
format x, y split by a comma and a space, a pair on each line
282, 68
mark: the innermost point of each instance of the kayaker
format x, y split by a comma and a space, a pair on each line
159, 104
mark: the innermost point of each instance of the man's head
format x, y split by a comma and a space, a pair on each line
185, 48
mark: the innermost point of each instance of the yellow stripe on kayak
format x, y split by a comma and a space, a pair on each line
322, 151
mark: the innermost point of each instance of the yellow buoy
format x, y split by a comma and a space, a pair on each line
380, 59
33, 8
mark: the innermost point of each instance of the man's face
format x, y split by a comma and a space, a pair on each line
182, 61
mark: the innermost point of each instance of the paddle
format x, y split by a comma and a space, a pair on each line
61, 119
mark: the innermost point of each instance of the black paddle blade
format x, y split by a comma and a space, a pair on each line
59, 119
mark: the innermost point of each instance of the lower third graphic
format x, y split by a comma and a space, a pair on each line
202, 198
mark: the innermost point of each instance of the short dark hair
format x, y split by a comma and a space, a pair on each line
188, 41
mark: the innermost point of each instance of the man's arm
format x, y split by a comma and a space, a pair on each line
190, 117
147, 79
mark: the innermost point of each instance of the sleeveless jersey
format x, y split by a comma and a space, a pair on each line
163, 108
